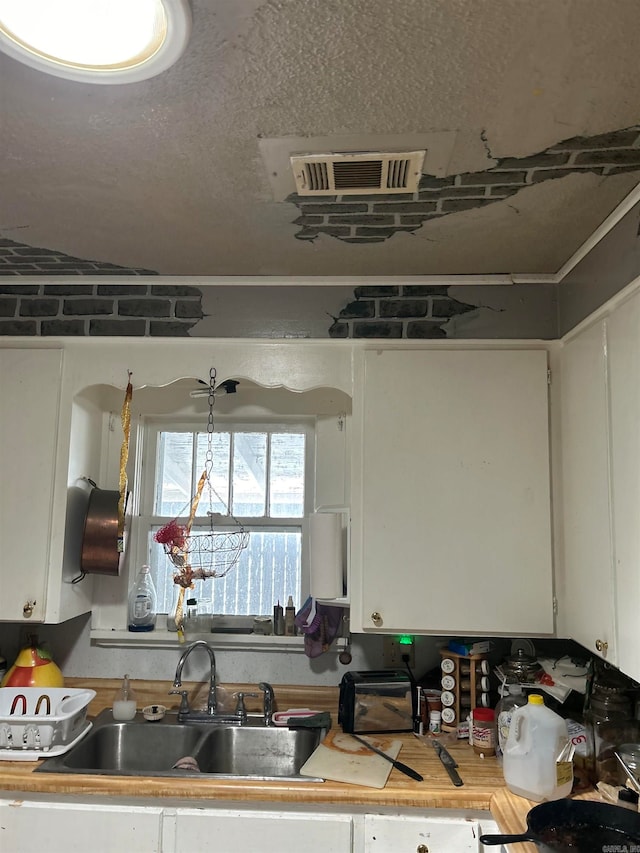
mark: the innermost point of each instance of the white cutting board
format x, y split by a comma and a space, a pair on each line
342, 759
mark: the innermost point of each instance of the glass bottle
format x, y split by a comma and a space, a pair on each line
124, 702
609, 723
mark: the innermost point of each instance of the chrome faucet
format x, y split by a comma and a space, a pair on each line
211, 714
212, 704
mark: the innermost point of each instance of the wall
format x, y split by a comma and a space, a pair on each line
149, 309
612, 264
72, 650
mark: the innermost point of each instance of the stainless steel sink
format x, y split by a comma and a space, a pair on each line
142, 748
273, 752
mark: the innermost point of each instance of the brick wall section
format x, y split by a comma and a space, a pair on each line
405, 311
375, 218
99, 309
20, 259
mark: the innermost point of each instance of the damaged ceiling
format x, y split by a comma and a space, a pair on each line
531, 106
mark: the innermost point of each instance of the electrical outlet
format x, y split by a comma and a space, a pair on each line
393, 650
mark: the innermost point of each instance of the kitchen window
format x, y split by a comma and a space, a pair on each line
262, 479
280, 455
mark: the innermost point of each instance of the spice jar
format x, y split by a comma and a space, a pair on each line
483, 724
435, 718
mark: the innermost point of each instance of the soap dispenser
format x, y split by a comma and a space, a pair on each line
124, 702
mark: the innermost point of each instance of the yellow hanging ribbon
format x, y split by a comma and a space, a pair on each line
179, 617
125, 419
196, 499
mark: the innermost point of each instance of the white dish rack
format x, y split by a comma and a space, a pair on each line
41, 721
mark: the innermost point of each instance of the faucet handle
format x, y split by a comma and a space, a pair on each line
268, 701
240, 707
241, 711
184, 701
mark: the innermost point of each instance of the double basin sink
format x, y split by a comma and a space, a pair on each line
142, 748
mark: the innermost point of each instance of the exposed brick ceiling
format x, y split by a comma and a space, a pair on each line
165, 176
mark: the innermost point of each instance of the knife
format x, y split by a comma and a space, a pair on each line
408, 771
448, 762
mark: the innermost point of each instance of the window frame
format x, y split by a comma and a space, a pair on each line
149, 429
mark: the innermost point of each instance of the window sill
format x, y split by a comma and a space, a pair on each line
162, 639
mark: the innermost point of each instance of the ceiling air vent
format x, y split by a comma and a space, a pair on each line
357, 173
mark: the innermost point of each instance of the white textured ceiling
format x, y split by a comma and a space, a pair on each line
167, 175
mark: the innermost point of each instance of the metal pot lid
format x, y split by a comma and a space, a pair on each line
521, 664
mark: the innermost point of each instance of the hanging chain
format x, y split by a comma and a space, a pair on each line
208, 459
211, 399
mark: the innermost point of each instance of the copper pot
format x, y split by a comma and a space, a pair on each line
100, 552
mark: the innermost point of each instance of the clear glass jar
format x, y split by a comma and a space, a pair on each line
609, 722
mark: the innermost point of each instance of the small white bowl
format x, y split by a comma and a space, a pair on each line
154, 712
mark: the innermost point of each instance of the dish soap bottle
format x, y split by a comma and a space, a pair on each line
142, 602
124, 702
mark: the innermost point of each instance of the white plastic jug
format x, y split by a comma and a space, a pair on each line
537, 736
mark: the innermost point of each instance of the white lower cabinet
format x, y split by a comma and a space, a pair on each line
404, 834
35, 823
228, 831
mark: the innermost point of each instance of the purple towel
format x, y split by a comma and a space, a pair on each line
320, 624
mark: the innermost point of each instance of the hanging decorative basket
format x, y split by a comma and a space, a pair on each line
210, 553
200, 556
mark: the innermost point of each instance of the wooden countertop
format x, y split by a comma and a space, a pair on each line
483, 787
481, 779
510, 813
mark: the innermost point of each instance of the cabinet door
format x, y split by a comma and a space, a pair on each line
239, 831
451, 494
32, 826
585, 588
623, 333
29, 388
403, 834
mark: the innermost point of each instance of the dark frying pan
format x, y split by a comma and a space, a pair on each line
567, 826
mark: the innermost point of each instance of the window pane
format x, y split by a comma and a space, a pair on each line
174, 481
218, 499
286, 485
249, 474
162, 574
268, 571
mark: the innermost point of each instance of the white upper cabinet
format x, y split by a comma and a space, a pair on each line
451, 522
599, 579
585, 582
34, 442
623, 343
29, 388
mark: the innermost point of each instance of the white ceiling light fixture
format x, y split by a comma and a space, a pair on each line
96, 41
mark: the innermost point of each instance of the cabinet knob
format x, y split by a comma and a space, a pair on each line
422, 848
27, 610
602, 645
376, 618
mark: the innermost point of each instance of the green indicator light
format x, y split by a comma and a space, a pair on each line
405, 640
